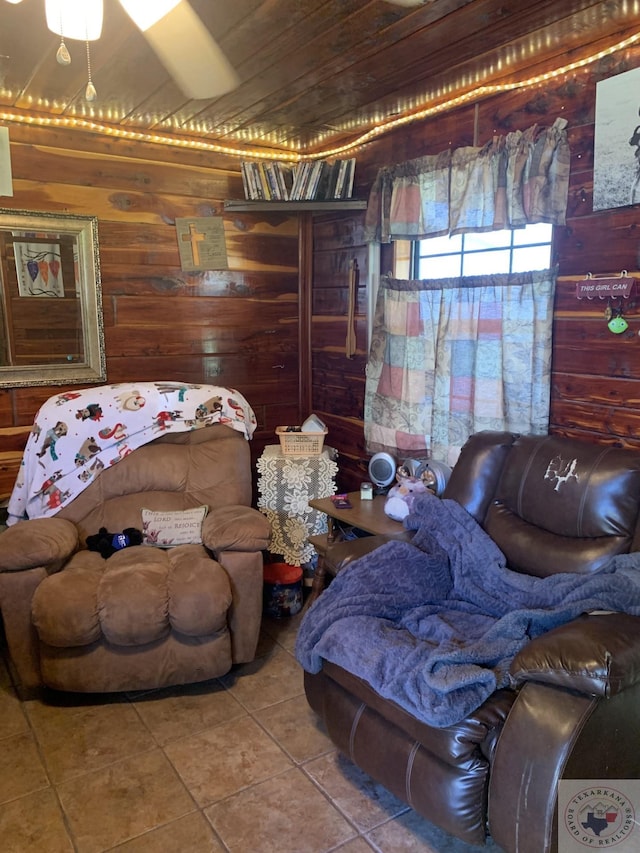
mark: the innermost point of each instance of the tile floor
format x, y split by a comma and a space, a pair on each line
235, 765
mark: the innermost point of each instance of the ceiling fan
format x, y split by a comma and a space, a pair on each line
184, 46
173, 30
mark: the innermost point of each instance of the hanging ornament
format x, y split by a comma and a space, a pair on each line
63, 56
618, 325
81, 19
615, 321
90, 92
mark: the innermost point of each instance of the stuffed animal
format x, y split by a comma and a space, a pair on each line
108, 543
402, 496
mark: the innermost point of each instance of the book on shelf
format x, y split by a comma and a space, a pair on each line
330, 180
245, 180
266, 180
312, 180
300, 173
340, 178
351, 173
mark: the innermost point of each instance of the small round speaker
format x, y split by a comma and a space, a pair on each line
382, 469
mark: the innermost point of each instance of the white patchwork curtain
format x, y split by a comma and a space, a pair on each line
455, 356
450, 357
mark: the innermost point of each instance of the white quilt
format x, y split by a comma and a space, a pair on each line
78, 434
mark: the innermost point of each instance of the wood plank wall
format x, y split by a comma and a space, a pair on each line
338, 379
235, 328
596, 374
240, 327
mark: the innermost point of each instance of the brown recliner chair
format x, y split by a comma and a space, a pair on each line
572, 710
145, 617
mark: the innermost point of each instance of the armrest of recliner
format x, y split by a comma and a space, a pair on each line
238, 535
598, 655
236, 528
29, 551
37, 542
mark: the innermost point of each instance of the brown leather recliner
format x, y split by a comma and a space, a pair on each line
145, 617
573, 708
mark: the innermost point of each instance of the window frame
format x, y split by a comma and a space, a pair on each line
511, 246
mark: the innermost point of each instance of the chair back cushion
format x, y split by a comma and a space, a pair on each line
563, 505
475, 476
209, 466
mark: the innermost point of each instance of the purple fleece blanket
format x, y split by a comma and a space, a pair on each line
434, 625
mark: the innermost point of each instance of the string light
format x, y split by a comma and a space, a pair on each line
138, 135
476, 94
384, 125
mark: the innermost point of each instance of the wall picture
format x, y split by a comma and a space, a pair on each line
39, 269
616, 169
201, 243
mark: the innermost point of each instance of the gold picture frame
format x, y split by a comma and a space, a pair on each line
51, 332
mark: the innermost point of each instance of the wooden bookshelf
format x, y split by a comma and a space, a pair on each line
247, 206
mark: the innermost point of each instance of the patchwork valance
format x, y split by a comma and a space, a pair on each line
512, 181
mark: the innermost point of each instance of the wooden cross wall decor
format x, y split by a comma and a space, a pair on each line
201, 243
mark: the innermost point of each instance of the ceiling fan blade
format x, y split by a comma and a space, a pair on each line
189, 53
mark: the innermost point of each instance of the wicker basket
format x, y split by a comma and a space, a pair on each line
300, 443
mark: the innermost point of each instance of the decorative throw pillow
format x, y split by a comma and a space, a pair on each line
180, 527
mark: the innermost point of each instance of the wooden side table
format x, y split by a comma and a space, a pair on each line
368, 515
286, 485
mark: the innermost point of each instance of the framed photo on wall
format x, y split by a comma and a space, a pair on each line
616, 164
39, 270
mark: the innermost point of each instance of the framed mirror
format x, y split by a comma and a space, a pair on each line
51, 326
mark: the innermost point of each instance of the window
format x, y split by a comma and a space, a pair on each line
484, 253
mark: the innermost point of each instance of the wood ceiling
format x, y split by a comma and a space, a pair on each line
315, 75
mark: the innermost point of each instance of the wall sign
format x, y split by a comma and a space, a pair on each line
201, 243
605, 288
